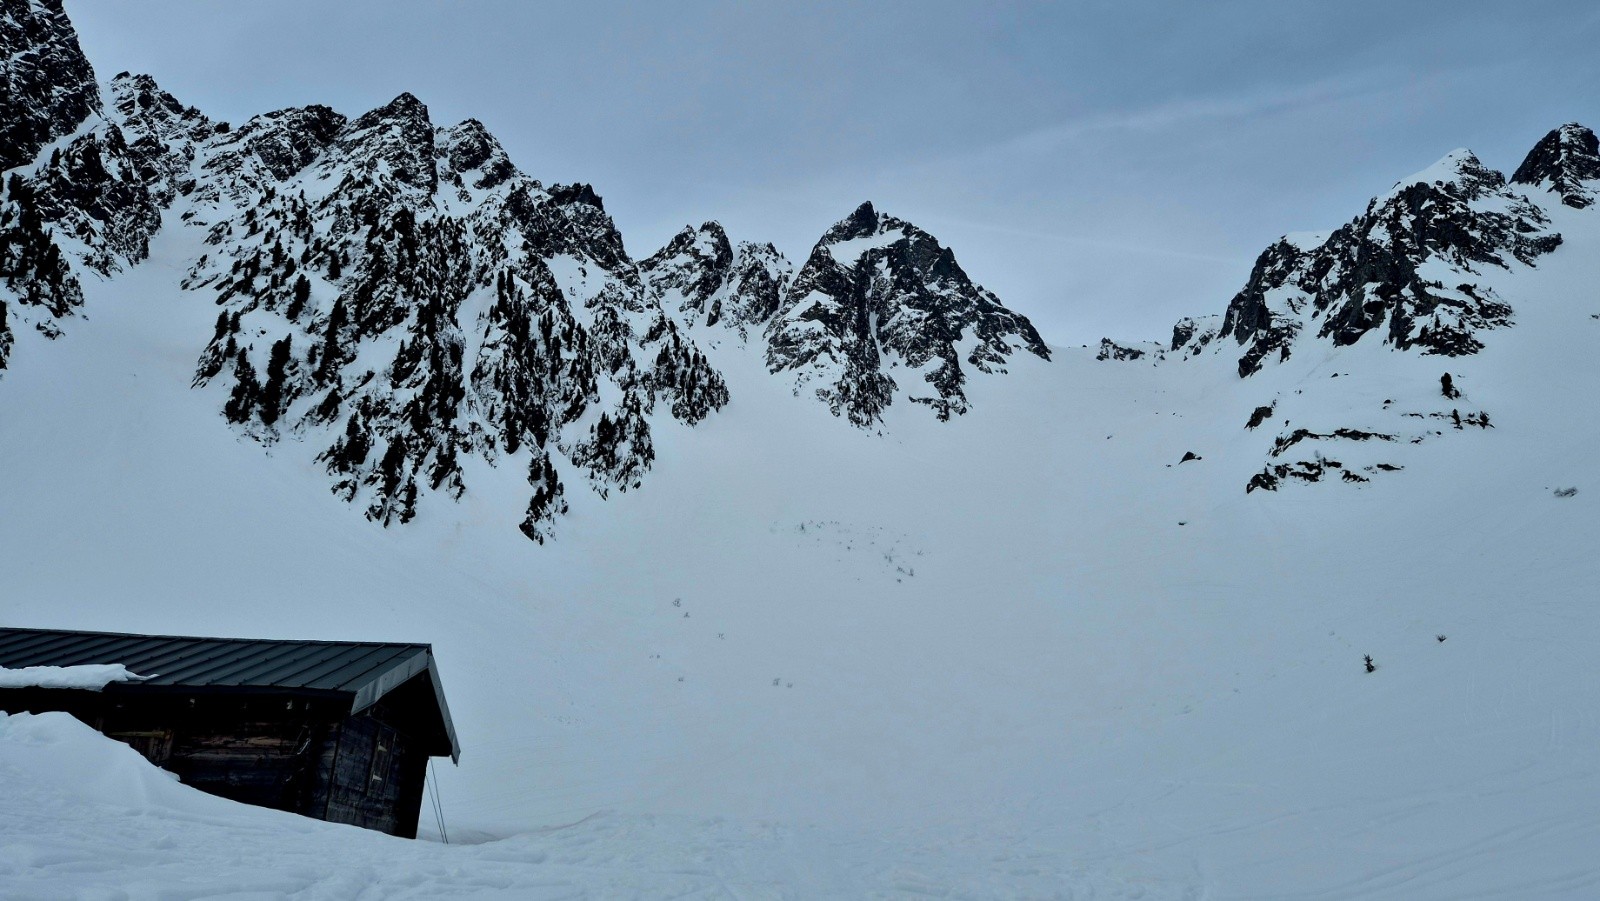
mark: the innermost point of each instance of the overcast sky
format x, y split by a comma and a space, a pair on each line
1105, 167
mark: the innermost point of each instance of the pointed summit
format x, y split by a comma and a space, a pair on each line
476, 155
1407, 271
1561, 162
404, 106
147, 109
1460, 173
879, 295
859, 224
398, 137
690, 274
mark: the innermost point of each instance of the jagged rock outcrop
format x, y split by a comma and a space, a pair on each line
1407, 269
395, 294
701, 278
1111, 350
879, 297
1566, 161
35, 275
1192, 334
106, 189
268, 148
401, 298
1414, 272
49, 85
434, 304
49, 90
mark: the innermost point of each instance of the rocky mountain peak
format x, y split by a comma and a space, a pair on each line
1459, 173
702, 278
877, 295
1564, 161
49, 84
401, 299
405, 107
146, 112
397, 137
1449, 220
697, 262
278, 144
134, 94
571, 220
476, 155
864, 221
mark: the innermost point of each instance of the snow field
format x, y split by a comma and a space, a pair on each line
1004, 669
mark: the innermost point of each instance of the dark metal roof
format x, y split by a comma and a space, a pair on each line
366, 671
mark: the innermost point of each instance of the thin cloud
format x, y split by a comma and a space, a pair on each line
1242, 105
1080, 240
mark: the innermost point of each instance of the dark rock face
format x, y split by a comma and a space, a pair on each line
49, 89
476, 155
1111, 350
879, 294
34, 273
1365, 277
402, 298
697, 263
570, 220
395, 140
273, 146
703, 279
107, 188
49, 85
1566, 161
405, 323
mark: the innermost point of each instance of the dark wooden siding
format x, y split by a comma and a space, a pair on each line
294, 753
377, 777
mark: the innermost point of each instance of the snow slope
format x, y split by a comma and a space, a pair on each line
1022, 653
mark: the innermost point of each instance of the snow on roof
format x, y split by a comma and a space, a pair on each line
363, 671
91, 676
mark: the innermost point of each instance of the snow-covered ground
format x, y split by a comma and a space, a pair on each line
1022, 653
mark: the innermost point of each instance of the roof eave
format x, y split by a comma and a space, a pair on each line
397, 675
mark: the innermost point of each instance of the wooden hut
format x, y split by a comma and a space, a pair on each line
337, 730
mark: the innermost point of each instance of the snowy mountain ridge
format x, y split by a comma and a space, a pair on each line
876, 296
1133, 627
400, 296
1431, 267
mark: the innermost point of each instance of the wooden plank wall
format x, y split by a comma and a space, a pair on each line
377, 777
306, 756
